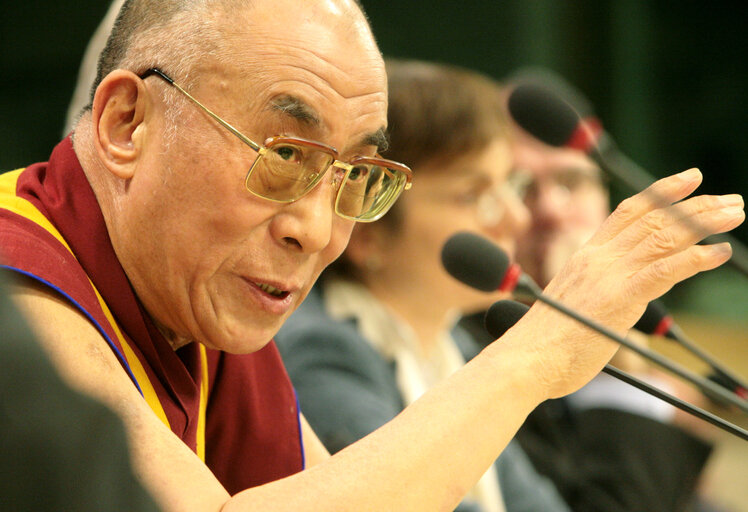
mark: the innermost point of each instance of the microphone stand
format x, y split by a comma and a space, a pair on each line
676, 402
465, 252
725, 377
657, 321
515, 310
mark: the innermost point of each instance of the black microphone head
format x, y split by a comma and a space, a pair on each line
502, 315
650, 321
543, 114
475, 261
545, 77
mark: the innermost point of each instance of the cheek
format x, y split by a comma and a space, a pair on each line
209, 202
589, 211
341, 234
421, 242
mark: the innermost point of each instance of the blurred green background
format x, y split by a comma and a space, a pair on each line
667, 78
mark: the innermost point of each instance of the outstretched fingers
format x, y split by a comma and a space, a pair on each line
659, 276
660, 194
667, 231
675, 227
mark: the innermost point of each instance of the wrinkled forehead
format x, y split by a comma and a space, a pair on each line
318, 59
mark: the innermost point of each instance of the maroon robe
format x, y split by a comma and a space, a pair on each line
252, 431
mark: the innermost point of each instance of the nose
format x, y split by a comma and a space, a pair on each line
518, 216
513, 220
306, 224
548, 203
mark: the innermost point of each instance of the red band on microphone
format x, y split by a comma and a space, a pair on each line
585, 135
664, 326
511, 278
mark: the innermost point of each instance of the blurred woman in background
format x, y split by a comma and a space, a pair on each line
379, 329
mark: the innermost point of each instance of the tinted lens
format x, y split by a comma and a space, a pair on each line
285, 172
369, 191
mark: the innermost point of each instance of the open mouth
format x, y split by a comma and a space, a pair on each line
271, 290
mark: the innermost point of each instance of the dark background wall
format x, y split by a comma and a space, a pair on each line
668, 78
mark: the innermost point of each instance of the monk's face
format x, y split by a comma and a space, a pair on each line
211, 261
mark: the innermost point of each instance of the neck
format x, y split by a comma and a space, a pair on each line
95, 173
108, 190
174, 340
427, 318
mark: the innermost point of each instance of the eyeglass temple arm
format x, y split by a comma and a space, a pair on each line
247, 141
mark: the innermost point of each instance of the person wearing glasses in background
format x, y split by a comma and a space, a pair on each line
567, 196
649, 462
228, 152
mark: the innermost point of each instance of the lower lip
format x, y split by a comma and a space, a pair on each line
270, 303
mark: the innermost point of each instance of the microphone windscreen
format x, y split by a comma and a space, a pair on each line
560, 86
475, 261
543, 114
649, 323
502, 315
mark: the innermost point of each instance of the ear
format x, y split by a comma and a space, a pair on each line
119, 111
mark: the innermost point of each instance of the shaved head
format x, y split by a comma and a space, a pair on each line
171, 180
178, 33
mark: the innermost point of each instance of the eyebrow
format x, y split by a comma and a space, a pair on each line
296, 108
379, 138
299, 110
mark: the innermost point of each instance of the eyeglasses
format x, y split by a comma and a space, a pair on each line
492, 204
287, 168
567, 182
490, 200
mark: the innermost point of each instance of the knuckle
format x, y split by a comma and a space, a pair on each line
661, 269
708, 202
702, 256
654, 221
626, 208
662, 241
583, 259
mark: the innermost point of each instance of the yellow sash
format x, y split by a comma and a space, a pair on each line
11, 202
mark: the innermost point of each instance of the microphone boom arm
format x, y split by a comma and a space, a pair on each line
676, 402
528, 286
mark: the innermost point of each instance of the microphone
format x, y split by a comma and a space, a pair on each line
656, 321
545, 115
542, 113
478, 262
502, 315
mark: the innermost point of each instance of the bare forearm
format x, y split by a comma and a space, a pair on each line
429, 455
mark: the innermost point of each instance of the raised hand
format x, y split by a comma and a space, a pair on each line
647, 245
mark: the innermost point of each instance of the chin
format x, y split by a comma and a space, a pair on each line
241, 339
476, 300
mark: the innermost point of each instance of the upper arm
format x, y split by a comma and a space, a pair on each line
87, 364
314, 451
457, 424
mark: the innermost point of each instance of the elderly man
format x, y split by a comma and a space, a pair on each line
193, 240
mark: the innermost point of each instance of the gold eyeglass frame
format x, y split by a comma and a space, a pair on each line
387, 165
